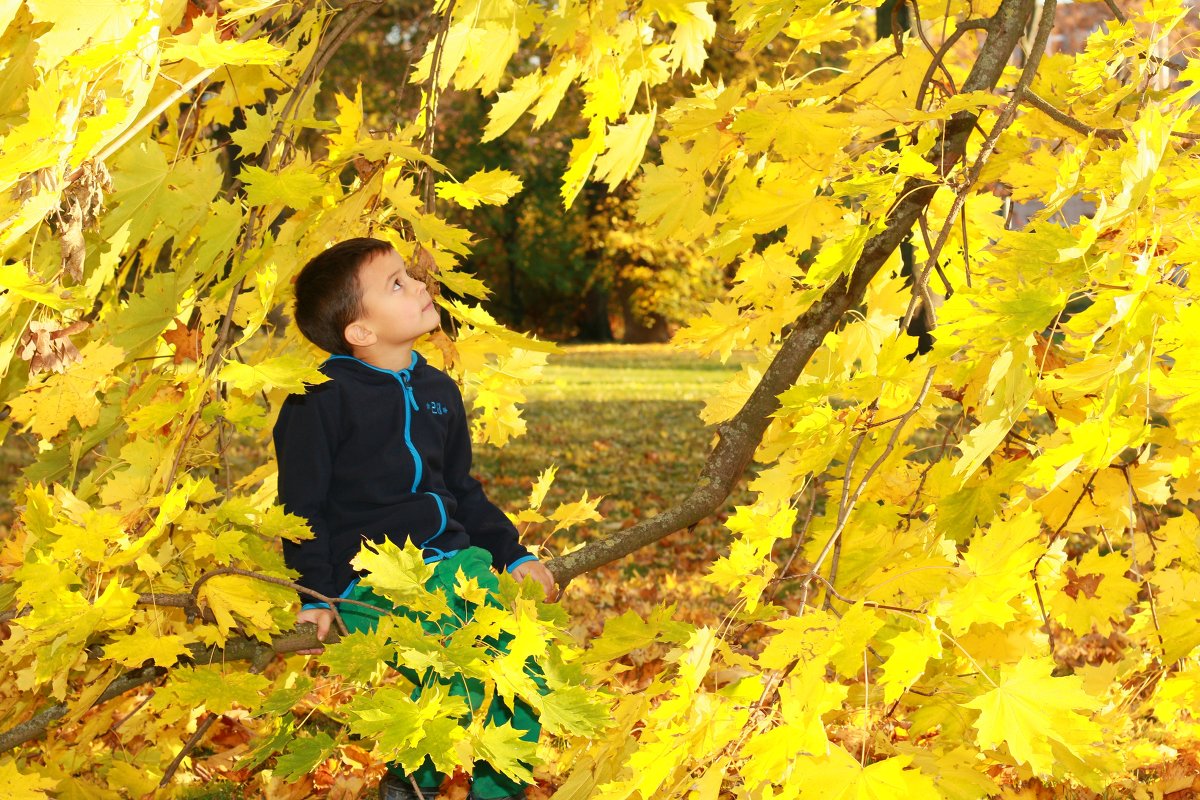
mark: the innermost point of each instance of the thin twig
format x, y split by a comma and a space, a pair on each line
939, 55
912, 511
800, 537
924, 225
432, 95
1087, 487
834, 562
844, 505
844, 513
1066, 120
1037, 588
966, 258
112, 729
331, 601
1062, 118
1045, 23
867, 603
1033, 572
188, 747
1133, 562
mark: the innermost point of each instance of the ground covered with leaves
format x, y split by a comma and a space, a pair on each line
619, 421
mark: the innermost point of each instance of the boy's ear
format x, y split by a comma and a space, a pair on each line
358, 334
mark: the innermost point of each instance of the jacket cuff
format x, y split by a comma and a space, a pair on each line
519, 562
307, 606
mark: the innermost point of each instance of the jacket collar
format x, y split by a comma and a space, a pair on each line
369, 372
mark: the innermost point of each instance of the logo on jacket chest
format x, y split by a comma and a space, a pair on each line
434, 407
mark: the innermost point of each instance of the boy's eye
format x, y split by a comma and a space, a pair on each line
396, 284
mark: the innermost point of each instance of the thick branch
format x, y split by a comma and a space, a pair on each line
35, 727
739, 437
241, 648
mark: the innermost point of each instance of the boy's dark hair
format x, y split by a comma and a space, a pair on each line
328, 295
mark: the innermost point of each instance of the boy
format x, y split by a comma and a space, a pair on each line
382, 450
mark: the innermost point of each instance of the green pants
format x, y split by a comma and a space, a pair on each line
475, 563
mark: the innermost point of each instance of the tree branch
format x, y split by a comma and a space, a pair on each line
188, 747
740, 436
1066, 120
241, 648
1062, 118
1045, 24
850, 500
432, 95
37, 725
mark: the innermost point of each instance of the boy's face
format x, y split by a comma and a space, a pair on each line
396, 309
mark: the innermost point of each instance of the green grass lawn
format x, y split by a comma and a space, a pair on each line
611, 373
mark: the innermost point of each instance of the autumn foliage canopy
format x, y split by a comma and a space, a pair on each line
961, 572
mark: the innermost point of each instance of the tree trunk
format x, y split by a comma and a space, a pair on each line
640, 328
591, 321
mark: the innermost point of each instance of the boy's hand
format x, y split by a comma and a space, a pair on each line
323, 617
537, 570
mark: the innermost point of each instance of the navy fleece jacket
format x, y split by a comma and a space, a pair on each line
374, 454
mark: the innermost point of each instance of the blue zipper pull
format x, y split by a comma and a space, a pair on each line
408, 392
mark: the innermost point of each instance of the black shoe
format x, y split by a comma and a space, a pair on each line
393, 787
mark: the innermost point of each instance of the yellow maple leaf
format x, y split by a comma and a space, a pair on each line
77, 28
469, 589
803, 699
1033, 713
1008, 388
400, 575
582, 510
583, 155
719, 330
1098, 593
999, 559
510, 105
20, 785
226, 594
626, 146
491, 187
48, 407
15, 278
295, 187
146, 643
542, 485
490, 46
281, 372
209, 52
349, 122
694, 28
839, 776
911, 651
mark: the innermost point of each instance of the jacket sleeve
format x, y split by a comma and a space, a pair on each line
486, 525
305, 446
